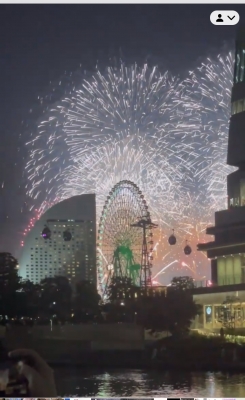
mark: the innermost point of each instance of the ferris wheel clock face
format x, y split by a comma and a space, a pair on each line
120, 244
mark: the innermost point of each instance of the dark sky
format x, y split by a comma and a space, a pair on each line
39, 42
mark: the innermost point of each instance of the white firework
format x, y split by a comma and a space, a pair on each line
97, 172
168, 137
206, 99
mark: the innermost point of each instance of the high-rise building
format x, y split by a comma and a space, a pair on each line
223, 301
8, 266
71, 249
227, 251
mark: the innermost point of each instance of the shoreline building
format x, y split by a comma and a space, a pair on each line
71, 249
227, 251
225, 300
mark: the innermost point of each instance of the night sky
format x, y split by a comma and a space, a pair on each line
39, 42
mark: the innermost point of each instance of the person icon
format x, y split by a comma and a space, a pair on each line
219, 18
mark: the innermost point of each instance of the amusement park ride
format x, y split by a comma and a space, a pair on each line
172, 241
125, 238
124, 265
146, 259
46, 234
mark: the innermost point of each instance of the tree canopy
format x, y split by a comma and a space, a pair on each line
172, 313
121, 288
86, 301
182, 282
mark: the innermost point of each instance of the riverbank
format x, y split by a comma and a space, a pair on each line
150, 365
124, 347
193, 353
119, 361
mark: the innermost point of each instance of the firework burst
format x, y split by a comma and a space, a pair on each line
168, 137
133, 104
206, 100
121, 103
98, 171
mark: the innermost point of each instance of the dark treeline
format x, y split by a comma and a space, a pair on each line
54, 298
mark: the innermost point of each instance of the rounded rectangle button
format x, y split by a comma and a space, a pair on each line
224, 17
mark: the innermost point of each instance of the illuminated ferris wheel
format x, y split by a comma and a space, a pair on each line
120, 243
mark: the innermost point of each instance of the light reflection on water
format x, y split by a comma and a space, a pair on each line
126, 383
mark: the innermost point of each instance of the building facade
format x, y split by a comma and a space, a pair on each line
227, 251
223, 303
74, 258
222, 307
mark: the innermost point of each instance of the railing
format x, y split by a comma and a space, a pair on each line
206, 283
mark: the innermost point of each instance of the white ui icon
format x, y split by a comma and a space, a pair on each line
224, 17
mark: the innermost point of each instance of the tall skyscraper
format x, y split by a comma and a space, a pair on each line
227, 251
71, 249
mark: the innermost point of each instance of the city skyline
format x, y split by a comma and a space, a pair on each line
103, 131
182, 53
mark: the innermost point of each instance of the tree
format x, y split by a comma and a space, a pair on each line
9, 279
29, 299
10, 283
172, 313
181, 311
86, 301
152, 313
55, 297
182, 282
118, 312
122, 289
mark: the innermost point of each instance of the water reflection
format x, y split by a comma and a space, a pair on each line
129, 383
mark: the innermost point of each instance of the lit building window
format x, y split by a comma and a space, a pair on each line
242, 192
238, 106
239, 64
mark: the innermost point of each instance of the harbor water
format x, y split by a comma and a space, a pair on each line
125, 383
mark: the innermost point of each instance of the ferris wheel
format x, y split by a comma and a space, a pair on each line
119, 241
